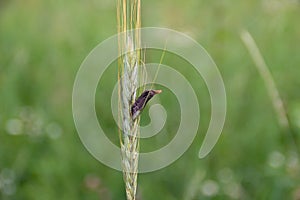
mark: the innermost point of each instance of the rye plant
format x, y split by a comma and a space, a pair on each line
129, 24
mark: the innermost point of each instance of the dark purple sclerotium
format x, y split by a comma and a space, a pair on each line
141, 102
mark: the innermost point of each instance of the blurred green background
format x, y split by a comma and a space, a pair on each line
42, 44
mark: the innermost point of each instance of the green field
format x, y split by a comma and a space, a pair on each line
42, 45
